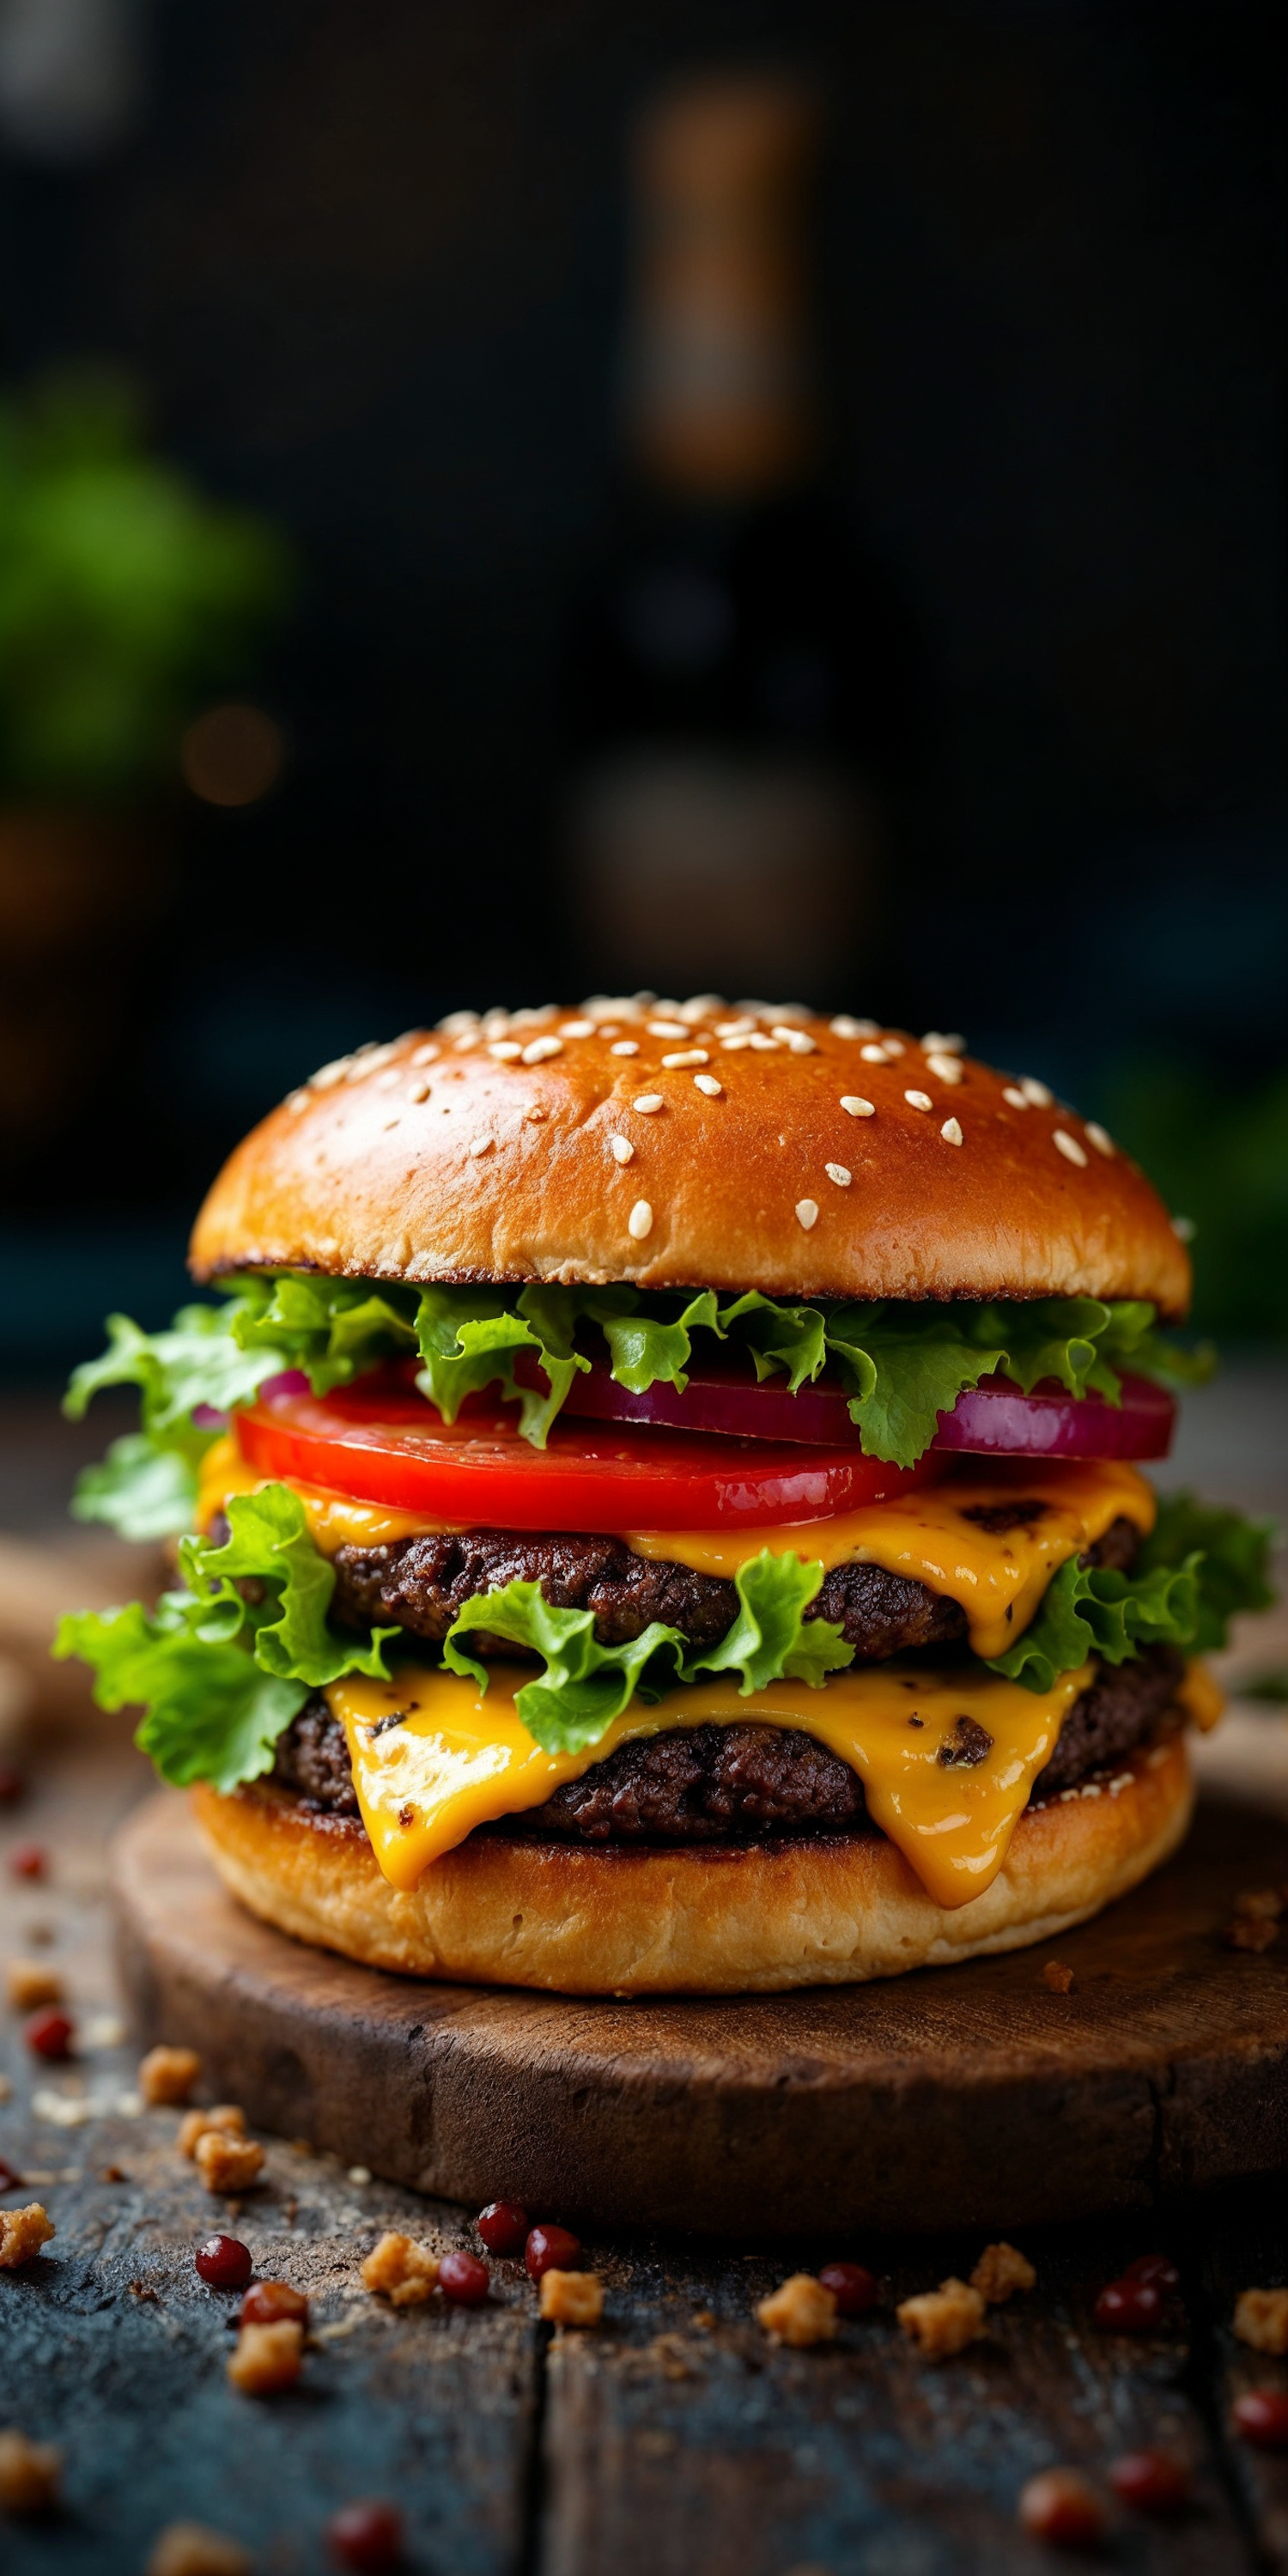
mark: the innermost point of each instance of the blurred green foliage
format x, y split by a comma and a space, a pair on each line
125, 596
1220, 1158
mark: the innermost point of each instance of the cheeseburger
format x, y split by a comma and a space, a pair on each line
662, 1506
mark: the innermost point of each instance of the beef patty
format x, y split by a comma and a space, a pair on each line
422, 1584
708, 1784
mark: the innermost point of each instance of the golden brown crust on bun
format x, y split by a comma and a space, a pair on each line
826, 1911
493, 1151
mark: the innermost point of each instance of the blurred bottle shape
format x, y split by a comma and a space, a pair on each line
738, 700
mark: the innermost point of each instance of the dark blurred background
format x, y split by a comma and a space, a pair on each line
321, 476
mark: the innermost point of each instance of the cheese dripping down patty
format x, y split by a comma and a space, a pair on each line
938, 1535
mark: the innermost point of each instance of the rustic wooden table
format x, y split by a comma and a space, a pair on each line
675, 2439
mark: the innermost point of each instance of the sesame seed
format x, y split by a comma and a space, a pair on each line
766, 1046
856, 1108
707, 1083
369, 1060
621, 1149
480, 1145
495, 1024
466, 1044
577, 1029
667, 1029
874, 1055
537, 1049
951, 1131
734, 1028
838, 1173
943, 1042
427, 1054
687, 1055
418, 1091
1014, 1096
1035, 1092
1184, 1229
1103, 1143
844, 1027
456, 1021
1068, 1145
387, 1081
787, 1011
918, 1100
297, 1100
535, 1115
625, 1046
640, 1221
649, 1101
807, 1213
700, 1006
506, 1050
534, 1019
894, 1046
734, 1046
797, 1040
945, 1068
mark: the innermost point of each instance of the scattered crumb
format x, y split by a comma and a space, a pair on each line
668, 2351
102, 2030
1001, 2269
29, 2473
168, 2074
1264, 1904
1261, 2319
22, 2233
945, 2320
113, 2173
227, 2118
227, 2164
266, 2358
359, 2174
28, 1985
1060, 1979
704, 2319
1250, 1932
801, 2311
142, 2290
571, 2298
401, 2271
189, 2549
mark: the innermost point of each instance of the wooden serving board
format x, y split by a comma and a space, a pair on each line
967, 2096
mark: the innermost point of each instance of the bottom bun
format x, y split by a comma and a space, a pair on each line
832, 1910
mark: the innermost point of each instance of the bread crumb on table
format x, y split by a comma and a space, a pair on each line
1261, 2319
22, 2233
401, 2271
29, 2473
227, 2118
799, 2312
28, 1985
266, 2358
168, 2074
572, 2298
191, 2549
1001, 2269
1058, 1978
227, 2164
1250, 1932
1260, 1904
945, 2320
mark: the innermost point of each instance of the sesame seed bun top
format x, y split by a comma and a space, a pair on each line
686, 1145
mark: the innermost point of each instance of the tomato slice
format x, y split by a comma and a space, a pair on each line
379, 1442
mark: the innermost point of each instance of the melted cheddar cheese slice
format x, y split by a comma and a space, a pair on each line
433, 1757
988, 1537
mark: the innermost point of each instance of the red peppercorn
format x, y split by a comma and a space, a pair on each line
551, 2249
1261, 2417
1129, 2307
463, 2278
1152, 2481
224, 2262
12, 1785
49, 2034
1061, 2507
27, 1860
267, 2302
366, 2536
9, 2180
503, 2226
1158, 2268
854, 2290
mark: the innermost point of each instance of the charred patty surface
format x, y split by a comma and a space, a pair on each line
709, 1784
422, 1584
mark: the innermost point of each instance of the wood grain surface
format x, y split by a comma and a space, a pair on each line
964, 2096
